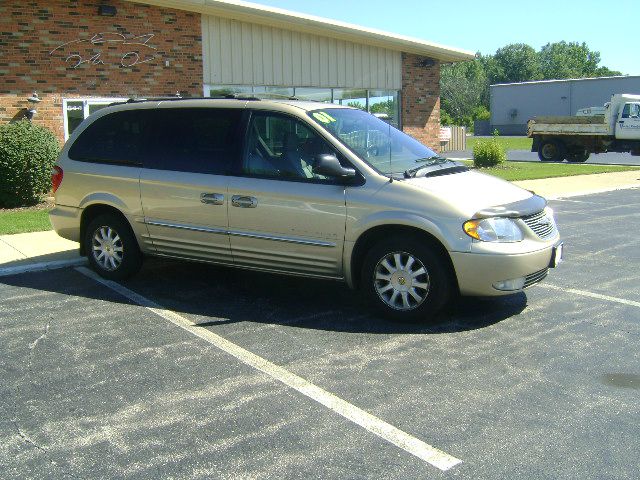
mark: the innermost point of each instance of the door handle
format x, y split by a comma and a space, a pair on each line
212, 198
244, 202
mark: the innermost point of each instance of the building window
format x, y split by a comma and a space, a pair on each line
384, 104
77, 109
313, 94
350, 98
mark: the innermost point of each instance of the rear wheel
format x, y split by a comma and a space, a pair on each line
551, 151
578, 157
112, 248
406, 279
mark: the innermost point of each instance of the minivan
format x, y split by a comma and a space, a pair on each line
300, 188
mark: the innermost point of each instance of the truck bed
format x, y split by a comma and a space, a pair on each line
593, 125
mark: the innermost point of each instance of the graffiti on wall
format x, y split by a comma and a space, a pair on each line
107, 47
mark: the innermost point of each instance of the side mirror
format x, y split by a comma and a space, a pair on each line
328, 165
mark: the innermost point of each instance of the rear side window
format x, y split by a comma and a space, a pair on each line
117, 138
199, 140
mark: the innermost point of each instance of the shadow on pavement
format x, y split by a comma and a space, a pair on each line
219, 296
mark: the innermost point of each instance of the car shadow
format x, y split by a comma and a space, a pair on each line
213, 296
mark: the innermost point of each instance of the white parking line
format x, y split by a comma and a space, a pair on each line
38, 267
382, 429
584, 293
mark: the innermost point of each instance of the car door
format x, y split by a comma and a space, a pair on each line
629, 122
282, 216
184, 185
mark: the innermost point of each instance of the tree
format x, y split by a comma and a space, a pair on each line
570, 60
462, 88
516, 62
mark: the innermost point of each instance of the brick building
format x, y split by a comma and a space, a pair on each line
80, 55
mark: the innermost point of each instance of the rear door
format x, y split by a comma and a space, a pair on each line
282, 216
184, 183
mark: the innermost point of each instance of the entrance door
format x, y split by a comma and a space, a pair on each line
282, 216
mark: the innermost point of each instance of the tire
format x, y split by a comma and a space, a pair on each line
579, 157
117, 256
551, 151
393, 296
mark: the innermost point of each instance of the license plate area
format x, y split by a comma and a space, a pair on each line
556, 255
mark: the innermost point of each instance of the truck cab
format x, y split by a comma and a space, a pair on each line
627, 125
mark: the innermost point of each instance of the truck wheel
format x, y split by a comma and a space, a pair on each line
112, 248
579, 157
551, 151
406, 279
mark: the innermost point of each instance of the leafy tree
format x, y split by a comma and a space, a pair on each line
570, 60
463, 86
516, 62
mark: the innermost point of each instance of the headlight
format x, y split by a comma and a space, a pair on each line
497, 229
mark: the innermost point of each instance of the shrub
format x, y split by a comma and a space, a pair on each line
488, 153
481, 113
27, 154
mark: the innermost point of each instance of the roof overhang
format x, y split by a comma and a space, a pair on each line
279, 18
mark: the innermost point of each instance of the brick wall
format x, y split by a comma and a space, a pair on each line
120, 56
421, 100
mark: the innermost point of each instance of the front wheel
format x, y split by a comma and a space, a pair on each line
112, 248
407, 280
551, 151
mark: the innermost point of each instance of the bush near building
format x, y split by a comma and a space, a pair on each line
27, 155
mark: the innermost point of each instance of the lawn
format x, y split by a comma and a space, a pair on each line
509, 143
513, 171
21, 220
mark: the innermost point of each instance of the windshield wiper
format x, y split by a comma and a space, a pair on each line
426, 162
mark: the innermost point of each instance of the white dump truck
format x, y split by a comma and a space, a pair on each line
575, 138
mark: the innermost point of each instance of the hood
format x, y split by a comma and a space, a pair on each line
470, 192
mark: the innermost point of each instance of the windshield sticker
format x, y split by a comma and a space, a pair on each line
323, 117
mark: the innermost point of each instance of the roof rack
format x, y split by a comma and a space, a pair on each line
177, 99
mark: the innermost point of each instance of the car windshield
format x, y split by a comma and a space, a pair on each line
382, 146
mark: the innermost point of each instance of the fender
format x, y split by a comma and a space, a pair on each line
386, 219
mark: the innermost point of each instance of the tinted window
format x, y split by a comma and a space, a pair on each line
282, 147
199, 140
119, 138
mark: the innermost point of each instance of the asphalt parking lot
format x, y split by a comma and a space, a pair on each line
193, 371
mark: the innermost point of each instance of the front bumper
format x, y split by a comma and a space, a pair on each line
478, 272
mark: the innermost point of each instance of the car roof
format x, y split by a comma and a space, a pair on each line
227, 102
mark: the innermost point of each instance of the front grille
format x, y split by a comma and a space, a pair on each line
542, 224
536, 277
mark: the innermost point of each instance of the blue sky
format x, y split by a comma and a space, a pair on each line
488, 25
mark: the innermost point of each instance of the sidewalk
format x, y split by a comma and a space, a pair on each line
36, 251
563, 187
44, 250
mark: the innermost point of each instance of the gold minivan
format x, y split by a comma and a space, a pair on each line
301, 188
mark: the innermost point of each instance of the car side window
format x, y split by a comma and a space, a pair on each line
116, 138
197, 140
626, 110
635, 110
282, 147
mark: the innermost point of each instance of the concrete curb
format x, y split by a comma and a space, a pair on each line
38, 267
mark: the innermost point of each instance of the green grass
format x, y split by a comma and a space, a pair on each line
24, 220
509, 143
513, 171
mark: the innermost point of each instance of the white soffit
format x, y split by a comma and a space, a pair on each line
276, 17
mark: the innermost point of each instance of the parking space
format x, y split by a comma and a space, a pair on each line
536, 385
